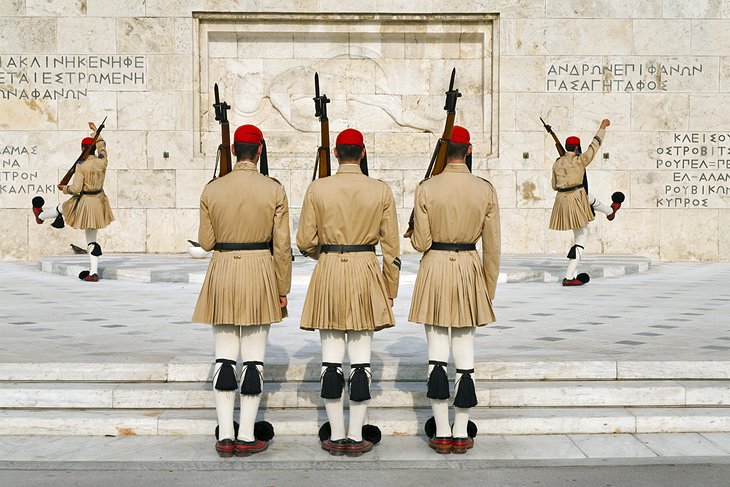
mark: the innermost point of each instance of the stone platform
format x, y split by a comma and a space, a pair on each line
182, 268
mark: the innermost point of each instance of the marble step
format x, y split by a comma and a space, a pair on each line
393, 421
386, 394
199, 369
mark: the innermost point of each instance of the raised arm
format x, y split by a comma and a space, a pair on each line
587, 157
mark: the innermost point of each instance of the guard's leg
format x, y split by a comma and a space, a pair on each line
333, 384
359, 345
598, 206
438, 386
55, 213
225, 386
253, 353
574, 256
462, 346
94, 252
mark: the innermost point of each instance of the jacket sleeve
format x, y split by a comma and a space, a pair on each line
554, 181
282, 243
587, 157
101, 148
390, 243
307, 236
491, 244
206, 235
77, 182
421, 238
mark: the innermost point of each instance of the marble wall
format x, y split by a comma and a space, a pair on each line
659, 69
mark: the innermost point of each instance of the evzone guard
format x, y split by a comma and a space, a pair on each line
575, 206
343, 218
88, 208
244, 220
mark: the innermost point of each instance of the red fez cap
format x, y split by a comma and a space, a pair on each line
350, 137
248, 134
87, 141
572, 140
460, 135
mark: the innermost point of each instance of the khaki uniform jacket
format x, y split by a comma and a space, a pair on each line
243, 287
571, 208
349, 291
455, 289
89, 211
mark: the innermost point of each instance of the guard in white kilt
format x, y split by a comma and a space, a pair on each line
455, 286
343, 218
88, 208
574, 206
244, 219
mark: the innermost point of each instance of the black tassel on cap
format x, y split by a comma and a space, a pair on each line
360, 382
438, 382
364, 164
226, 376
251, 383
466, 394
333, 381
264, 160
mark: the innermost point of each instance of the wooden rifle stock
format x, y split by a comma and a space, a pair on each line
558, 144
84, 154
224, 149
322, 165
438, 159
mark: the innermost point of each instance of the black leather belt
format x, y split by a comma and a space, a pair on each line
91, 192
454, 247
563, 190
347, 248
242, 246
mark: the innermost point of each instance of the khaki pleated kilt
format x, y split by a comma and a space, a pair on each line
451, 291
571, 210
347, 292
89, 211
239, 289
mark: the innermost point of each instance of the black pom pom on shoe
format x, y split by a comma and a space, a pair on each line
371, 433
38, 202
235, 430
430, 427
325, 431
618, 197
263, 430
583, 277
471, 429
83, 275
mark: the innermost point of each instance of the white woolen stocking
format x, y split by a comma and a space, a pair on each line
227, 342
359, 345
462, 347
581, 238
333, 350
253, 348
438, 349
94, 260
598, 206
51, 214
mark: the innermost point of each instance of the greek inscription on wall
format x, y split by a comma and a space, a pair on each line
17, 177
53, 77
695, 171
650, 77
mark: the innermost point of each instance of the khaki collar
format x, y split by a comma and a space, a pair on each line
456, 168
245, 166
349, 169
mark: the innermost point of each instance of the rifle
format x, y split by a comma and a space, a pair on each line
224, 149
322, 167
438, 159
84, 154
558, 144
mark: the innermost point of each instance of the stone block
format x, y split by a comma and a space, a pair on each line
12, 8
158, 190
168, 230
662, 37
700, 226
531, 37
177, 144
700, 9
127, 149
99, 104
20, 395
632, 9
507, 112
724, 74
142, 35
29, 115
114, 8
594, 107
533, 190
709, 37
707, 112
555, 108
21, 35
385, 45
300, 180
154, 111
513, 145
320, 45
522, 73
57, 8
222, 45
604, 36
183, 36
708, 80
169, 73
189, 185
504, 183
266, 45
524, 230
172, 8
15, 244
574, 8
683, 420
80, 35
660, 112
724, 233
126, 234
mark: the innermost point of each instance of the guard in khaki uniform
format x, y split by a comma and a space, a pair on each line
343, 217
574, 206
454, 286
244, 218
88, 208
